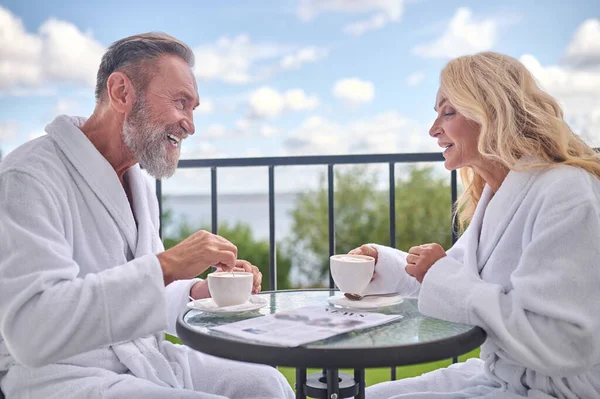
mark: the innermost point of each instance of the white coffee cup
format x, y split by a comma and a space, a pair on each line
228, 289
352, 273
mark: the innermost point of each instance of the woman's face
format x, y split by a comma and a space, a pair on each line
456, 134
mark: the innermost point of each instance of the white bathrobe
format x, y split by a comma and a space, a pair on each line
526, 270
83, 305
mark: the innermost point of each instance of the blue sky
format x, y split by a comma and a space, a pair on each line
296, 77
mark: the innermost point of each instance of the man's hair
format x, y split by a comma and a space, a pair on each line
135, 56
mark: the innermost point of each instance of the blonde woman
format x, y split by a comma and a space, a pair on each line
527, 267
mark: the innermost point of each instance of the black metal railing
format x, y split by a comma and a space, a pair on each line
330, 160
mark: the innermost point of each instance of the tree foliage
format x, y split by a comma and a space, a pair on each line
251, 249
423, 215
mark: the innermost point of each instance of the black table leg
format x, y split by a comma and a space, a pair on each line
333, 384
300, 382
359, 377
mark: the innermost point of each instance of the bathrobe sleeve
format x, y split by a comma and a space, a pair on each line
178, 291
177, 297
391, 276
549, 320
47, 312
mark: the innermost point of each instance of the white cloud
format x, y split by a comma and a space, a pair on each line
269, 131
63, 106
8, 130
297, 100
463, 35
27, 92
214, 130
232, 60
377, 21
584, 49
58, 52
202, 150
577, 91
238, 60
254, 153
266, 102
382, 12
415, 78
69, 54
354, 91
302, 56
72, 106
206, 107
35, 134
243, 125
383, 133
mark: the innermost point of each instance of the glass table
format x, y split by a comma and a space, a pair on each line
413, 339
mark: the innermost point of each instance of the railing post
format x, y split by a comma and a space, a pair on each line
454, 222
454, 196
160, 208
213, 200
330, 202
272, 244
392, 185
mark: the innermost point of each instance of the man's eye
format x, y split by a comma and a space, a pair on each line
181, 102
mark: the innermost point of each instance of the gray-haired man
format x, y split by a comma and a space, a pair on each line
86, 288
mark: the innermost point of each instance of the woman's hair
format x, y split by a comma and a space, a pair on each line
517, 118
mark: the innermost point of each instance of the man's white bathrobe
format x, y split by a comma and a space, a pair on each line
83, 305
526, 270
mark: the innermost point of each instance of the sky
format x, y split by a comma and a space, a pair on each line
295, 77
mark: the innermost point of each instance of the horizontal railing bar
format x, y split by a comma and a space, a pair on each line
312, 160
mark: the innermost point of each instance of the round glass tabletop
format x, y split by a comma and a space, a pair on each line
414, 338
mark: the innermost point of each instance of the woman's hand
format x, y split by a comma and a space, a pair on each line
421, 258
368, 251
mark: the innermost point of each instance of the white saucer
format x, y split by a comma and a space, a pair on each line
207, 305
370, 302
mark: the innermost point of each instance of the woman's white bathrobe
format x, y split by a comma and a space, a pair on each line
83, 305
526, 270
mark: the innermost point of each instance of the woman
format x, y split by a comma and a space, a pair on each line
527, 267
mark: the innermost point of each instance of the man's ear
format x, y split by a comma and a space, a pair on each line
120, 92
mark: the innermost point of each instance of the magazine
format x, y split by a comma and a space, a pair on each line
303, 325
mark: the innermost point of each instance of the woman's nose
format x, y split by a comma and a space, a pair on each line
435, 130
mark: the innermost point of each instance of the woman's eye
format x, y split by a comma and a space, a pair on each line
449, 113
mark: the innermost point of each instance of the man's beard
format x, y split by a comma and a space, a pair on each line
147, 140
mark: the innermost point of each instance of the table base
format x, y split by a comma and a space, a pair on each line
330, 384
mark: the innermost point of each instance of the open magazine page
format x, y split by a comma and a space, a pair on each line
304, 325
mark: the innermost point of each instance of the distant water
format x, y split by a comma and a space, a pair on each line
252, 209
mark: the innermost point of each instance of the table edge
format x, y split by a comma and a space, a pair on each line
301, 356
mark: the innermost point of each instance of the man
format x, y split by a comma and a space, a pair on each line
86, 288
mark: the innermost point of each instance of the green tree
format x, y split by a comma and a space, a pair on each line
249, 248
422, 206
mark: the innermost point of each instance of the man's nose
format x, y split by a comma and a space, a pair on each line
188, 126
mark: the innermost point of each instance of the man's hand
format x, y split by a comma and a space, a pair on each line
195, 254
421, 258
245, 266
